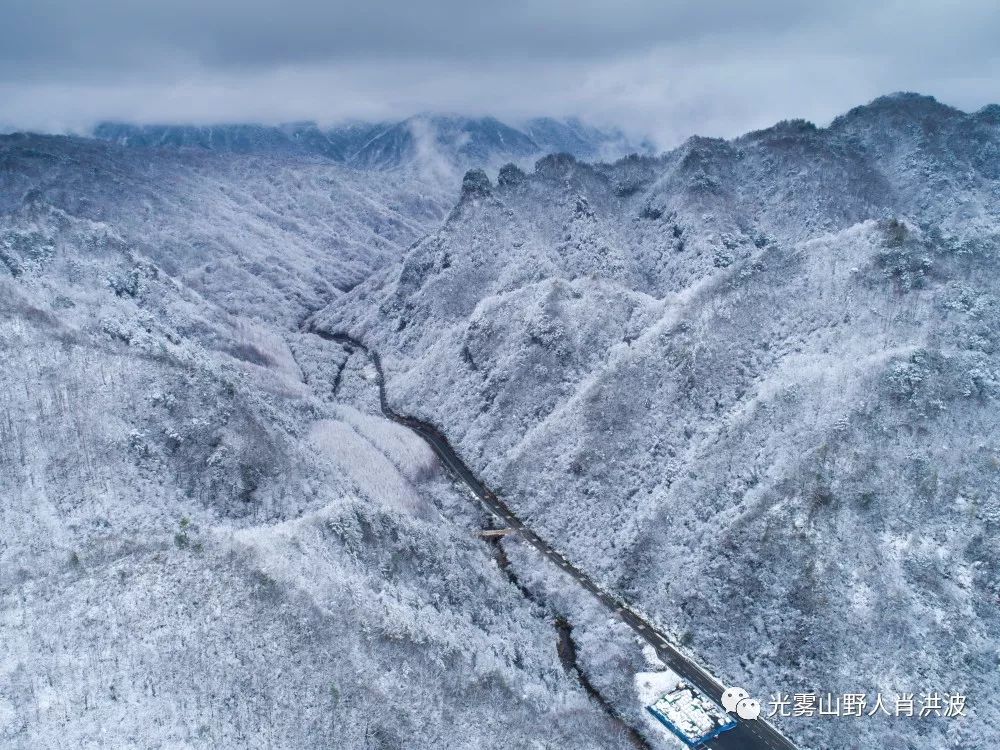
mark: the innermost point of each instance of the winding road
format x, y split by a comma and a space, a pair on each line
747, 735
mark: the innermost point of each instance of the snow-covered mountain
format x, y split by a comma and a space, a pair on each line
209, 544
751, 383
272, 234
212, 539
463, 141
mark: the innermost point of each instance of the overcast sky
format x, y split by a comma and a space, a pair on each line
658, 67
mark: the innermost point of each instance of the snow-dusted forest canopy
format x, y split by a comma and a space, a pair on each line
751, 385
210, 539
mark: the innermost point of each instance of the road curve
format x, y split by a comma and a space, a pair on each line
748, 735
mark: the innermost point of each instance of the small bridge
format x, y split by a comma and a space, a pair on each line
494, 533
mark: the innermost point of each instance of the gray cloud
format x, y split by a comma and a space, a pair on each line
659, 66
113, 33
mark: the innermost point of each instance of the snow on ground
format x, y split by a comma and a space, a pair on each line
649, 686
205, 545
733, 381
751, 385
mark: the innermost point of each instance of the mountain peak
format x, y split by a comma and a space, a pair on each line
902, 104
476, 184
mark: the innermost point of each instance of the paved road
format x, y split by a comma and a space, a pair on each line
748, 735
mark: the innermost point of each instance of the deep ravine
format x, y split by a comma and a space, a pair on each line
565, 646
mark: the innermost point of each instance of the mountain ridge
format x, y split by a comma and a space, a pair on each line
385, 145
751, 385
738, 381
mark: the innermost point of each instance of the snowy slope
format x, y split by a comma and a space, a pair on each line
750, 383
268, 234
206, 544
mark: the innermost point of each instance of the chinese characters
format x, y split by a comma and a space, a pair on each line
923, 706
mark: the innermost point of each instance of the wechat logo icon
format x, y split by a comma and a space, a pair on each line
737, 700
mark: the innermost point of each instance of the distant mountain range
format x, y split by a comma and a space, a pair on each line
387, 145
